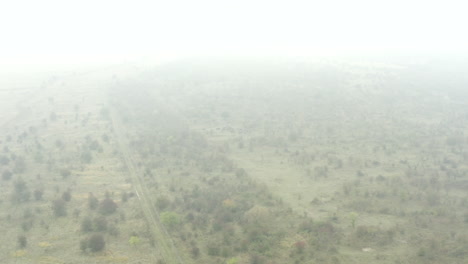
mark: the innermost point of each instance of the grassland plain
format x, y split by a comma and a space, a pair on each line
332, 162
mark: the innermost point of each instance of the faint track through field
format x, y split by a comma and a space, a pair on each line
168, 250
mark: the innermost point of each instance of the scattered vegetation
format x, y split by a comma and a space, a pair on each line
321, 163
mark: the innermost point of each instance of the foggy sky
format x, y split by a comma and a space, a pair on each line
55, 32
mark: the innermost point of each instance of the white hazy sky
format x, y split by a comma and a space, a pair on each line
48, 32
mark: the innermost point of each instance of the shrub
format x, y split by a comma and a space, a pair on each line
256, 259
232, 261
213, 250
65, 173
96, 242
38, 194
134, 240
6, 175
21, 192
66, 196
86, 157
58, 206
300, 246
100, 224
4, 160
27, 225
92, 201
20, 165
113, 230
162, 202
83, 245
86, 225
124, 197
195, 252
22, 241
107, 206
170, 219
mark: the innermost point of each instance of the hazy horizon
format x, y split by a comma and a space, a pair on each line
57, 33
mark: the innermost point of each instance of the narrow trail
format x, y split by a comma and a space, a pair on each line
168, 250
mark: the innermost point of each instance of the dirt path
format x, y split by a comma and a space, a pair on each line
163, 240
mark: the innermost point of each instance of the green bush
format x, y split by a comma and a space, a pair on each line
170, 219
